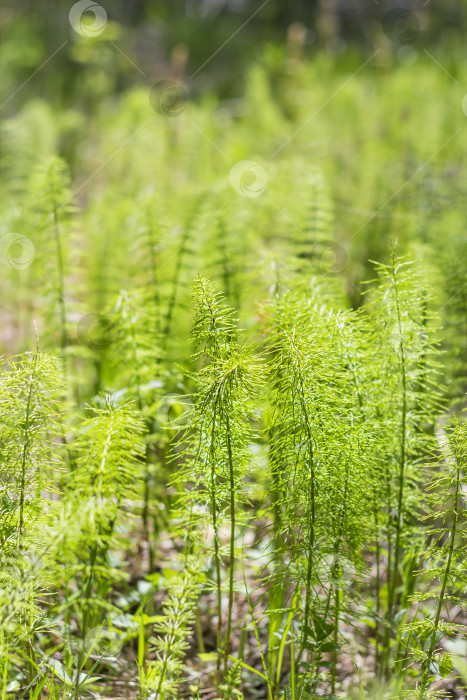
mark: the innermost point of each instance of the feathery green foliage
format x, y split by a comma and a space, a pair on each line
301, 466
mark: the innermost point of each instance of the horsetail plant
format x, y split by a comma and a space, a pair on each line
220, 432
444, 560
322, 456
28, 406
29, 411
161, 678
52, 197
105, 481
182, 254
408, 371
136, 346
325, 456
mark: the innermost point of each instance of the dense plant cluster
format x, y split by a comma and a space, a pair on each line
233, 447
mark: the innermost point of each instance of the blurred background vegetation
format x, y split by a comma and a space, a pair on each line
350, 117
179, 36
370, 94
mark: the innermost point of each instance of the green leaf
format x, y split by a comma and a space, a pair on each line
445, 664
60, 671
322, 628
37, 691
154, 578
248, 668
147, 619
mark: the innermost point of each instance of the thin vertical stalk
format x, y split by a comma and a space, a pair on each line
61, 289
232, 540
277, 592
426, 668
258, 640
94, 552
26, 446
225, 259
154, 279
336, 635
311, 513
175, 622
384, 661
400, 675
393, 570
84, 628
140, 404
214, 517
377, 586
402, 464
334, 576
175, 285
392, 576
337, 593
216, 547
